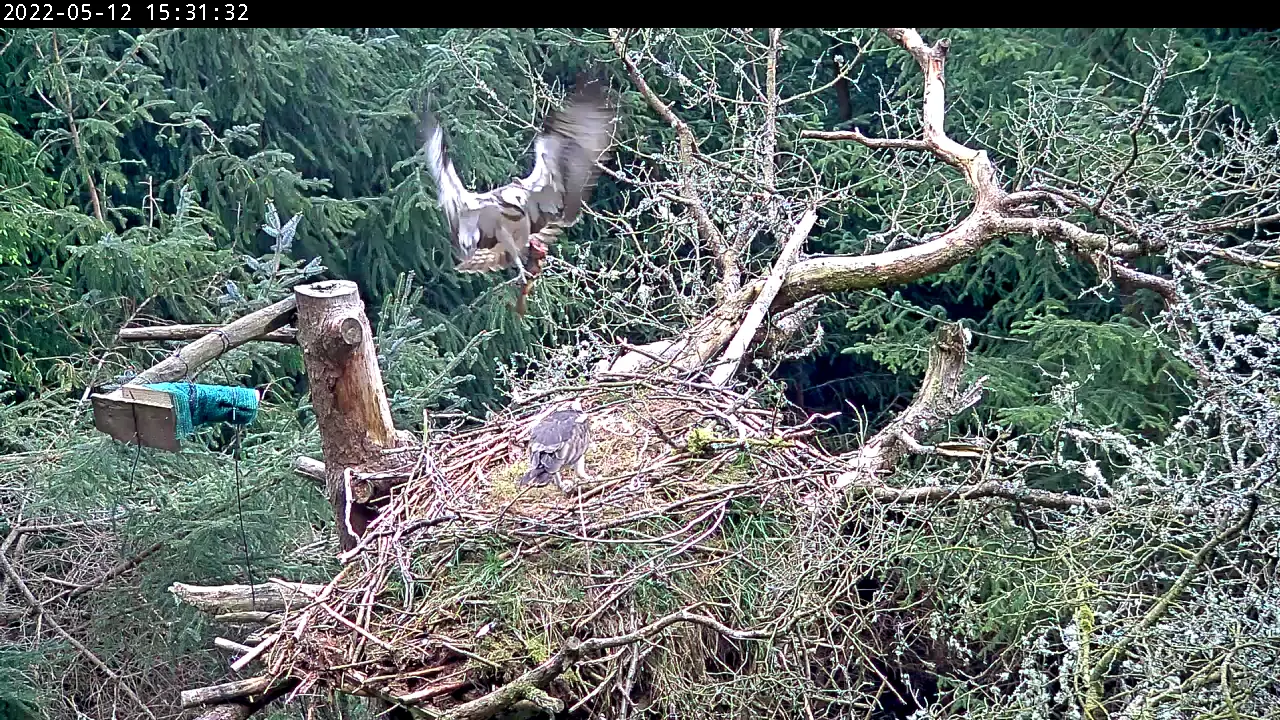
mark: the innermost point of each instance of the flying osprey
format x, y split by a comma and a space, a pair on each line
557, 441
510, 225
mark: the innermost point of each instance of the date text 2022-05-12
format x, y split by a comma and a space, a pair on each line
90, 13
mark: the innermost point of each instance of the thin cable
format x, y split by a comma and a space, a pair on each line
244, 536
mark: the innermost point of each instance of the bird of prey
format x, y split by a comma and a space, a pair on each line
557, 441
510, 225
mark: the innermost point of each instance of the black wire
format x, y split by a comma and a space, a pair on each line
115, 496
244, 536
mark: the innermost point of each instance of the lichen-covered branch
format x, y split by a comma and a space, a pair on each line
941, 397
1161, 606
731, 277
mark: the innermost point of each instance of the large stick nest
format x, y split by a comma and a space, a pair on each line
700, 518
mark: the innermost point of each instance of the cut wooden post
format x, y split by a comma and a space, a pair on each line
347, 395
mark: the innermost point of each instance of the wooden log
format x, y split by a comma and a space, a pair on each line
231, 646
347, 394
227, 599
309, 468
225, 692
229, 711
159, 333
191, 357
237, 700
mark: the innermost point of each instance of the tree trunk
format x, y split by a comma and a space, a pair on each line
347, 395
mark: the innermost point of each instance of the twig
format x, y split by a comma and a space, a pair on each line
88, 654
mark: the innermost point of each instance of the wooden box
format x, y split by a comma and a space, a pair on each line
133, 413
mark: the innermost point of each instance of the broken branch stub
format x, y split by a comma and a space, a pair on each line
347, 394
940, 398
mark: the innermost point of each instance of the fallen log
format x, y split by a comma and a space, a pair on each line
265, 598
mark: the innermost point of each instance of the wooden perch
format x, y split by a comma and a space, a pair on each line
347, 394
157, 333
190, 358
264, 598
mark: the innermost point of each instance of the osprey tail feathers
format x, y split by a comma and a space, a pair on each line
537, 475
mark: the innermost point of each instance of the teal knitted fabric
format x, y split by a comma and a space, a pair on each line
203, 404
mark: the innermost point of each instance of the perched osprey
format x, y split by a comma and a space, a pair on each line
509, 226
557, 441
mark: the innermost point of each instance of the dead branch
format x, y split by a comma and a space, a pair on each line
309, 468
939, 399
755, 316
942, 494
265, 597
158, 333
731, 272
531, 685
188, 359
824, 275
225, 692
229, 711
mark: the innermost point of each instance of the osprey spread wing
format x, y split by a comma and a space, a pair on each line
508, 226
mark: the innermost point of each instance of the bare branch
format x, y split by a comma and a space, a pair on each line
731, 273
939, 399
195, 332
746, 333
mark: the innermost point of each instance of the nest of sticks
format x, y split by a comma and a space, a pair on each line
670, 581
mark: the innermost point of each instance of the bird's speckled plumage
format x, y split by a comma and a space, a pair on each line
557, 441
493, 230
